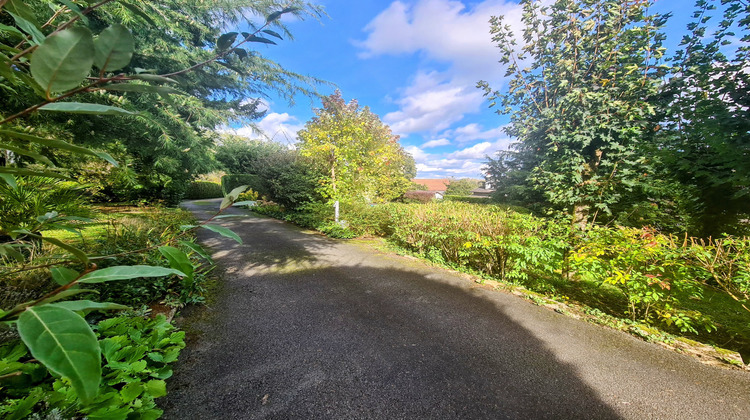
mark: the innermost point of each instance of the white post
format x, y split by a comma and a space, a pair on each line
336, 211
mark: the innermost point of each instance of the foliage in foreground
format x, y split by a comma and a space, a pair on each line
136, 354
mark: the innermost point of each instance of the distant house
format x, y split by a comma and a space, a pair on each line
482, 192
435, 189
433, 184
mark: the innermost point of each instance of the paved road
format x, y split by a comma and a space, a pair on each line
306, 327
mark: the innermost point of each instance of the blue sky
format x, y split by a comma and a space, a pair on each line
415, 63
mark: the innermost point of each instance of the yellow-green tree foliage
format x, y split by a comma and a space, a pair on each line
360, 158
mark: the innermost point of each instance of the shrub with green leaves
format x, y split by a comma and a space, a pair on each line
203, 189
489, 239
232, 181
647, 267
136, 356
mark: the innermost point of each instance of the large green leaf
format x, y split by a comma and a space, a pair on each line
177, 259
20, 151
63, 60
10, 180
153, 78
132, 87
20, 8
37, 37
30, 172
254, 38
114, 48
89, 305
126, 272
9, 251
225, 41
63, 275
59, 144
198, 250
232, 196
84, 108
63, 342
223, 232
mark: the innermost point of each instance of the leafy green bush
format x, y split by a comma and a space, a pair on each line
203, 189
136, 354
489, 239
468, 199
647, 267
232, 181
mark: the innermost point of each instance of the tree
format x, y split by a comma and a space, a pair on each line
357, 154
705, 113
209, 78
579, 99
240, 155
462, 186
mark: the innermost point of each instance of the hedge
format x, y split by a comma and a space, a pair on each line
232, 181
203, 189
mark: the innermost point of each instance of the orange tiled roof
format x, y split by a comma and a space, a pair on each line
433, 184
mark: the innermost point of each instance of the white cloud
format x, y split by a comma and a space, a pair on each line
477, 151
282, 128
442, 30
436, 143
474, 131
277, 127
431, 104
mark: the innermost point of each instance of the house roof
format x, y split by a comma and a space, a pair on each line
433, 184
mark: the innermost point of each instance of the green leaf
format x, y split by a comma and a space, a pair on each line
131, 391
29, 153
9, 251
232, 197
10, 180
273, 16
63, 275
37, 37
245, 203
20, 8
88, 305
66, 294
223, 232
198, 250
126, 272
138, 11
272, 33
132, 87
241, 53
30, 172
225, 41
153, 78
59, 144
177, 260
254, 38
84, 108
63, 60
76, 10
63, 342
60, 244
114, 48
157, 388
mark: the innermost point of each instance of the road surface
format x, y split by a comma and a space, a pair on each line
307, 327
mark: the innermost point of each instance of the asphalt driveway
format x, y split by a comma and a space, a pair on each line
306, 327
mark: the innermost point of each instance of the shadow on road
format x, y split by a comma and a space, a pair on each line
364, 342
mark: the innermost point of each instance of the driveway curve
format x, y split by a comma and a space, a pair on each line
307, 327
